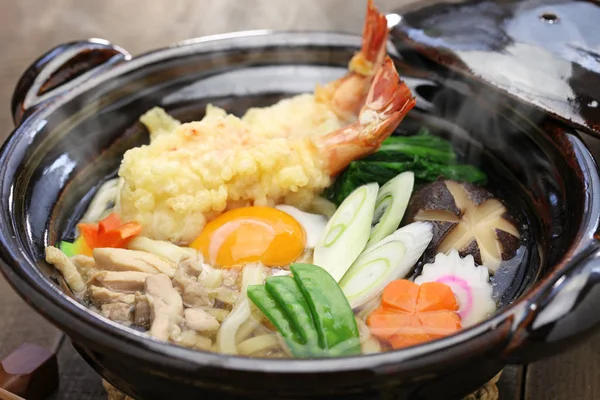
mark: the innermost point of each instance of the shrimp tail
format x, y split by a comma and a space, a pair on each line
388, 101
374, 41
346, 96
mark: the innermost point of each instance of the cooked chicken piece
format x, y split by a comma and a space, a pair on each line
196, 295
84, 264
101, 295
192, 266
166, 306
124, 281
203, 343
166, 250
118, 312
186, 274
190, 338
186, 338
142, 314
112, 259
181, 279
199, 320
66, 267
219, 313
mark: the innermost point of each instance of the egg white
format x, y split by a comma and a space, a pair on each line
313, 224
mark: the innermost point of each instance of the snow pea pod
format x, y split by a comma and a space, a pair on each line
310, 311
271, 309
333, 316
285, 291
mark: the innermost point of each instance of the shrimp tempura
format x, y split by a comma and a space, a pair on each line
182, 179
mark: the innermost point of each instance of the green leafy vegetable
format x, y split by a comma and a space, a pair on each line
406, 148
429, 157
359, 173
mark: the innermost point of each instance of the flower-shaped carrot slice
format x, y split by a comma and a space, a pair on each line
385, 323
439, 323
411, 314
401, 295
435, 296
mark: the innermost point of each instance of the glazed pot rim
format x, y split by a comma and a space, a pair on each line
73, 316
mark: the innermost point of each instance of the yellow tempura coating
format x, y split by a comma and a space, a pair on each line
298, 116
182, 179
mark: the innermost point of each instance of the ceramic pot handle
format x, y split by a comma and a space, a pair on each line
61, 69
565, 308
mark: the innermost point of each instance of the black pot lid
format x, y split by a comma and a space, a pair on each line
544, 52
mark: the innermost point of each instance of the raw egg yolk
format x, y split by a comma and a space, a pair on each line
252, 234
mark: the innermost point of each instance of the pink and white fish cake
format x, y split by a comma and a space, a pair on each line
469, 282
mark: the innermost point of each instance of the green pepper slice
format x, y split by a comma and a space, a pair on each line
70, 249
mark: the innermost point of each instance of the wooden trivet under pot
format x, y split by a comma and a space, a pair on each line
488, 392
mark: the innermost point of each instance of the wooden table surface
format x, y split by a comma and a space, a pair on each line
30, 27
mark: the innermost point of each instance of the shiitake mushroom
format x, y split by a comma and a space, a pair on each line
467, 218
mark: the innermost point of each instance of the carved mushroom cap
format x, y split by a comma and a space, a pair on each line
466, 218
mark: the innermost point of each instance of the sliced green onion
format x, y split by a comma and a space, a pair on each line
389, 259
390, 206
347, 232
